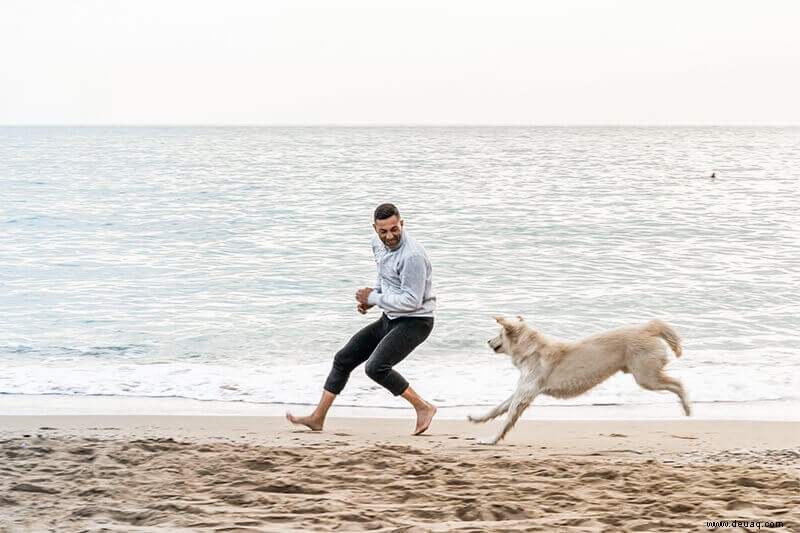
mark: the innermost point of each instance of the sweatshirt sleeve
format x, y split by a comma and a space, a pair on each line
375, 245
412, 288
377, 286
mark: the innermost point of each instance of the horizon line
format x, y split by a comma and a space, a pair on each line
399, 125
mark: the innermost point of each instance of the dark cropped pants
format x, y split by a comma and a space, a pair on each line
382, 344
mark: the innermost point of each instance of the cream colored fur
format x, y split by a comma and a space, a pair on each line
568, 369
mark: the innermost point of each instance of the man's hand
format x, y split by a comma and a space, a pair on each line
362, 296
364, 308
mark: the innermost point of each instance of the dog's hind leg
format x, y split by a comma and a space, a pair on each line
657, 380
675, 386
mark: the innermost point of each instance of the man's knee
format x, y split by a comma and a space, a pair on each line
376, 371
338, 358
346, 359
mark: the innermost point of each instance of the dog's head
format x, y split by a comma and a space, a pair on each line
509, 336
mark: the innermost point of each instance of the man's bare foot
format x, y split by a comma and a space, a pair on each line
308, 421
424, 417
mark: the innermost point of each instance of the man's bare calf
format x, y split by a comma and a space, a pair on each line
425, 410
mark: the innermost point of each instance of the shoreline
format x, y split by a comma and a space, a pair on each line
574, 436
32, 405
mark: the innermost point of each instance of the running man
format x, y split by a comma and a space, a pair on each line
404, 292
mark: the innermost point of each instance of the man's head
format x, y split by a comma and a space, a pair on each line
388, 225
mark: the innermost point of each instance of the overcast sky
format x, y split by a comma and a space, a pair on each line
399, 62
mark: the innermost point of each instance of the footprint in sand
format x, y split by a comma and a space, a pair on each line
738, 505
259, 464
289, 488
28, 487
749, 482
680, 507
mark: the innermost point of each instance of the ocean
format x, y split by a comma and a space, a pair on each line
220, 263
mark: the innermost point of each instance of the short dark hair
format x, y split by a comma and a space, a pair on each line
384, 211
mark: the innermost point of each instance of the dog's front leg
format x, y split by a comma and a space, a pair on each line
503, 407
493, 413
514, 413
519, 402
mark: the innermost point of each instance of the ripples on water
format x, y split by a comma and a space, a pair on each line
220, 263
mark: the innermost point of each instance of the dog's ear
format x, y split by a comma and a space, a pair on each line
521, 319
503, 322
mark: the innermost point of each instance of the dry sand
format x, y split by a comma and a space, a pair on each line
230, 473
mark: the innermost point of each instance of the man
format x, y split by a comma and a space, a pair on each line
405, 294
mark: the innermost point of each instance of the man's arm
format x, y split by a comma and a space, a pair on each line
412, 288
362, 294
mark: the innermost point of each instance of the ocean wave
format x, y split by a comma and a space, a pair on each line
447, 386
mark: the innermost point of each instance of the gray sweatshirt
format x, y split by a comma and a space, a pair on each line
404, 286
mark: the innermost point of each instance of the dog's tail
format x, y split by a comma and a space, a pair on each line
661, 329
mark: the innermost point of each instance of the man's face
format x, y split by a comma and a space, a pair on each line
389, 231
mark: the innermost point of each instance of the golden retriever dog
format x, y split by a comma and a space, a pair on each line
568, 369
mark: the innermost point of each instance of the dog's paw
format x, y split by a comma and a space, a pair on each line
491, 441
475, 419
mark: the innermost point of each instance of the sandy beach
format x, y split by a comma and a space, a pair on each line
258, 473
